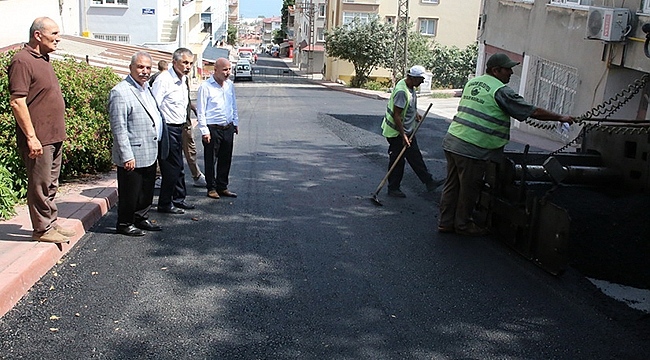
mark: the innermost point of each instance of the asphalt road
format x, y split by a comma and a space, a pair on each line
303, 266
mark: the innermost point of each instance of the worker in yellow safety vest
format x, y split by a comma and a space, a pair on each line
478, 132
397, 126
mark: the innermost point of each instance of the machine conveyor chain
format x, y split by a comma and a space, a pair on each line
589, 119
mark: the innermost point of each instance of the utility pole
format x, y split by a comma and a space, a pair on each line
401, 40
309, 10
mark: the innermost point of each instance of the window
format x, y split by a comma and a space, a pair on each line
573, 2
320, 34
646, 6
120, 38
428, 27
430, 1
321, 10
390, 20
348, 17
111, 2
551, 85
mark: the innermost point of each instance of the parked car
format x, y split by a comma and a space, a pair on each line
243, 70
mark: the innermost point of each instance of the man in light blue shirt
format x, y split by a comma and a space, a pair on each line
216, 109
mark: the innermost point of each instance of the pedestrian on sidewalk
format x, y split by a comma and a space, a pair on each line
189, 145
37, 104
171, 92
139, 138
218, 122
398, 124
478, 133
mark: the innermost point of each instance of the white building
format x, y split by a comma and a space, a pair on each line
160, 24
18, 15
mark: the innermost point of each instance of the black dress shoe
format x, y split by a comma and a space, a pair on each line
148, 225
184, 205
129, 230
171, 210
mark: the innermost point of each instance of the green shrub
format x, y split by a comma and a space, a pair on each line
8, 197
374, 85
88, 147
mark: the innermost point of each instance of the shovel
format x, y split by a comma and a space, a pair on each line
374, 197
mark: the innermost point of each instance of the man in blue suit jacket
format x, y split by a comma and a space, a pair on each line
139, 135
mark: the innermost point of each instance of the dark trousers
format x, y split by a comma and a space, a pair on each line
135, 193
172, 187
218, 153
42, 184
412, 155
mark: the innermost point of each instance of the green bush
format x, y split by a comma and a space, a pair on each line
374, 85
88, 147
8, 197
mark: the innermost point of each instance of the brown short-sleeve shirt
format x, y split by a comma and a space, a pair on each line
31, 75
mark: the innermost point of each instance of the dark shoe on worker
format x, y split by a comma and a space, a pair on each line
472, 230
148, 225
433, 184
51, 236
129, 230
396, 193
184, 205
171, 210
213, 194
227, 193
445, 229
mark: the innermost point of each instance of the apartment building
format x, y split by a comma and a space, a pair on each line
448, 22
309, 35
269, 26
18, 16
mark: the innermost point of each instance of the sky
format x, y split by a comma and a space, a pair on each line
255, 8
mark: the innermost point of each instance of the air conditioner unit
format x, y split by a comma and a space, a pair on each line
607, 24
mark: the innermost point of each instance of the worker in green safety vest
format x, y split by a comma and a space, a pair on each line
478, 132
397, 126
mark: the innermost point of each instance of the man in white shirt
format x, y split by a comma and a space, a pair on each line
218, 122
172, 95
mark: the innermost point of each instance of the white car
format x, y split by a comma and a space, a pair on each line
243, 70
245, 55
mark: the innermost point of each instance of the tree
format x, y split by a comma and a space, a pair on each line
278, 36
232, 35
419, 50
285, 13
451, 66
367, 45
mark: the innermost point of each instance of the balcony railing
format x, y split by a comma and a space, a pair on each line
371, 2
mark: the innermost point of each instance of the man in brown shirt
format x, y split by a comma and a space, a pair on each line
39, 109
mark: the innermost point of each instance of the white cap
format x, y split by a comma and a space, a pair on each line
417, 71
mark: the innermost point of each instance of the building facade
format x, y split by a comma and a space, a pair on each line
309, 35
158, 24
18, 16
448, 22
